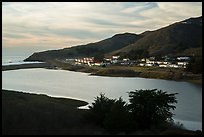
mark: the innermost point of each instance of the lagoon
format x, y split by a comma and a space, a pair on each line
76, 85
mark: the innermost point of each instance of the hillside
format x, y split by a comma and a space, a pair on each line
116, 42
180, 38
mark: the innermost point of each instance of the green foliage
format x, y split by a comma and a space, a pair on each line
151, 107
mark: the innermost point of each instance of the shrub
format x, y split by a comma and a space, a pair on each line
100, 108
110, 114
147, 109
151, 107
118, 119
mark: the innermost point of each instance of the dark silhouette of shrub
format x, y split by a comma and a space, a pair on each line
118, 119
100, 108
147, 109
151, 107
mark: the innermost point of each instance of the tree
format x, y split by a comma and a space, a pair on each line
111, 114
100, 108
118, 119
151, 107
147, 108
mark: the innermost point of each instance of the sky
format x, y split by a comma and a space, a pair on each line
37, 26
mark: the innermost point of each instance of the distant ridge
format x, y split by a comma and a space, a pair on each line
179, 38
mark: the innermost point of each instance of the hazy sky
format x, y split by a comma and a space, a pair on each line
48, 25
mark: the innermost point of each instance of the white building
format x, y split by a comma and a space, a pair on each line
143, 60
182, 64
163, 65
141, 64
183, 58
150, 61
126, 59
149, 65
173, 66
96, 64
115, 57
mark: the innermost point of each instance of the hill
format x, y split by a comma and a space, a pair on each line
180, 38
116, 42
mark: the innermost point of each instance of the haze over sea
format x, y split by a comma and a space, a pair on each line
15, 55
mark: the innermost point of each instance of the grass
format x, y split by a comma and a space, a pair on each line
24, 113
177, 74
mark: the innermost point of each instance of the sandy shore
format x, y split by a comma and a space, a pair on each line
26, 66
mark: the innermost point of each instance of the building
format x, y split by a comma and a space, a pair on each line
182, 64
150, 61
173, 66
85, 61
126, 59
183, 58
141, 64
163, 65
115, 57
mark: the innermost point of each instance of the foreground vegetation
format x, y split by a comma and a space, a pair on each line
24, 113
148, 110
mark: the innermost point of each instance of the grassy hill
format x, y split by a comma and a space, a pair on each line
116, 42
180, 38
176, 39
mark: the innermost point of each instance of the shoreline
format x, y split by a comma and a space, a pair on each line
133, 71
117, 71
77, 102
25, 66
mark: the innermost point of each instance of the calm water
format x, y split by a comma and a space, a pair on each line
77, 85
